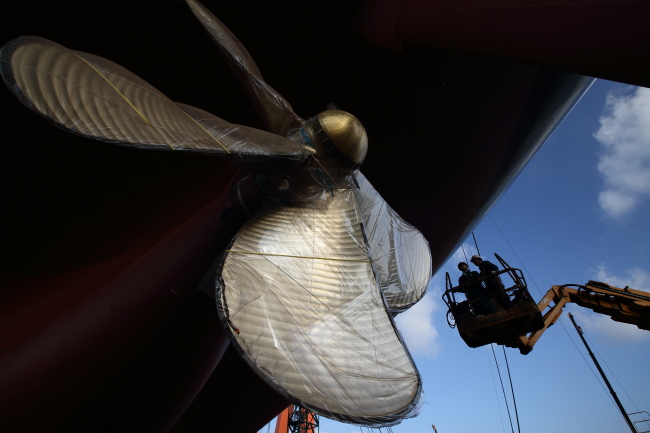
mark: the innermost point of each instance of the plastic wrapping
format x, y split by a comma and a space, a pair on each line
96, 98
309, 286
250, 148
302, 304
400, 254
276, 112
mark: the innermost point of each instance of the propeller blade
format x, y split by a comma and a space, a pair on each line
300, 300
275, 111
96, 98
250, 148
400, 253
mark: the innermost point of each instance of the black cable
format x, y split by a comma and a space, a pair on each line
476, 244
502, 388
611, 372
566, 331
503, 428
515, 253
496, 393
512, 390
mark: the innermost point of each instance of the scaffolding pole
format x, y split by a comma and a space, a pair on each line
602, 373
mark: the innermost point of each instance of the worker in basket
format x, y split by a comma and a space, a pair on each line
469, 283
493, 285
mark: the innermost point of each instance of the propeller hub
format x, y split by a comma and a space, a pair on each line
341, 135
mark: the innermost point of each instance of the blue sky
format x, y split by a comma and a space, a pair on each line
578, 211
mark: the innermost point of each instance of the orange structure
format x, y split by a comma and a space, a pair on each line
295, 419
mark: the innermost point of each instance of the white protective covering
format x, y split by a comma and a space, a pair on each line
303, 306
96, 98
312, 281
400, 254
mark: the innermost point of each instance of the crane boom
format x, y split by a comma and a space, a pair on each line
622, 305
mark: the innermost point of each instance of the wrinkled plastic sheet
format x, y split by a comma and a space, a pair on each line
312, 281
303, 307
400, 254
96, 98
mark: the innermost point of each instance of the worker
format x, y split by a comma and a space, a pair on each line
470, 284
493, 285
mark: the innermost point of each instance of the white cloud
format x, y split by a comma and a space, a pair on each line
624, 163
635, 278
612, 332
417, 328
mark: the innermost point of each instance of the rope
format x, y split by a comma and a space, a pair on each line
327, 181
515, 253
598, 379
612, 373
476, 244
302, 132
512, 390
503, 388
127, 101
503, 428
207, 132
298, 257
566, 331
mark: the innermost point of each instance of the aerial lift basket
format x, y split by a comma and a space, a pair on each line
502, 325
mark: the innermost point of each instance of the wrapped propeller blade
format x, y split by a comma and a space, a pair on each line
298, 293
400, 254
277, 113
298, 290
96, 98
250, 148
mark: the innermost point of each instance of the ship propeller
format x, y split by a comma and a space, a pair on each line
308, 288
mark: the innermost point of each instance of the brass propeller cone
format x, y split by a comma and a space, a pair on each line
342, 136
